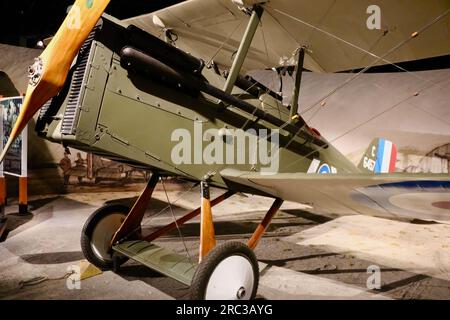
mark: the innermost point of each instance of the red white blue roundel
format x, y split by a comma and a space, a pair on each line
324, 168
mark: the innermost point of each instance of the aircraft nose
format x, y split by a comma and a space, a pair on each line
49, 71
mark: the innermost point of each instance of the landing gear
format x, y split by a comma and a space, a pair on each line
228, 272
97, 233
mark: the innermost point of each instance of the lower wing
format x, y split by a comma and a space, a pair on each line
397, 195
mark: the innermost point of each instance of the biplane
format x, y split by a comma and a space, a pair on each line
165, 91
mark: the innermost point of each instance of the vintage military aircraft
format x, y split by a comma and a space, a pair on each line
115, 89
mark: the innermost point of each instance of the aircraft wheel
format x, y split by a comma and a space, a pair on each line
229, 272
97, 233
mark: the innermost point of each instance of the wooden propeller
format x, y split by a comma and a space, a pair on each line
49, 72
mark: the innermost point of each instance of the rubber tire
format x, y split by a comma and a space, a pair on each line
204, 270
88, 229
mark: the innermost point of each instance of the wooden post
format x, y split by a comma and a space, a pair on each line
23, 179
23, 195
207, 234
2, 195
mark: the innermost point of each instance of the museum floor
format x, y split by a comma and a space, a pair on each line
302, 256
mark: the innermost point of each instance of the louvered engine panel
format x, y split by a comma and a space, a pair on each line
79, 78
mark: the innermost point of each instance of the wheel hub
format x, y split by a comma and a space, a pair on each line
230, 279
241, 293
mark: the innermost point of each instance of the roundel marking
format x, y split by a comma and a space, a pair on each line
442, 205
324, 168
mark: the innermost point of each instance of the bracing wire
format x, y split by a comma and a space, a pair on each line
176, 223
397, 104
224, 42
378, 58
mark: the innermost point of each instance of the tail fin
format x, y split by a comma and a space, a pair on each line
380, 157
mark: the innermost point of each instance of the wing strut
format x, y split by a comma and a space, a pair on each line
207, 234
243, 48
298, 80
132, 222
257, 235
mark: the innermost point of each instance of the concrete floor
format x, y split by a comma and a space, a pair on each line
302, 256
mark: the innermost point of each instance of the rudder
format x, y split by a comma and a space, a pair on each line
379, 157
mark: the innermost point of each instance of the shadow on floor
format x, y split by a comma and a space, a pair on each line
242, 228
39, 203
53, 257
308, 215
14, 221
133, 271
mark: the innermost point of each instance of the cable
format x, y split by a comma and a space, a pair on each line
176, 223
365, 122
152, 216
378, 58
36, 280
146, 223
223, 43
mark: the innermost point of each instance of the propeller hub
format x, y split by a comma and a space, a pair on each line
35, 71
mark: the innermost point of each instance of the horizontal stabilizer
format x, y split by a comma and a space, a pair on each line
394, 195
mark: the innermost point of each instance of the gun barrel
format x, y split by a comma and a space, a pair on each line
163, 51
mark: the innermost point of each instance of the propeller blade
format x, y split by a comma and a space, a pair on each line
50, 69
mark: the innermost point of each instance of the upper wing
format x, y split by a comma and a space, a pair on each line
335, 32
417, 196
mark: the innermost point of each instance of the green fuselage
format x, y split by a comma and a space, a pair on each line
139, 120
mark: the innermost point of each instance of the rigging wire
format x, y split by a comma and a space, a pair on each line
377, 58
397, 104
175, 220
382, 57
224, 42
150, 217
265, 44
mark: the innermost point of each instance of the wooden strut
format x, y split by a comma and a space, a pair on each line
134, 218
158, 233
257, 235
207, 234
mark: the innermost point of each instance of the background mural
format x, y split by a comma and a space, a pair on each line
84, 169
10, 108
